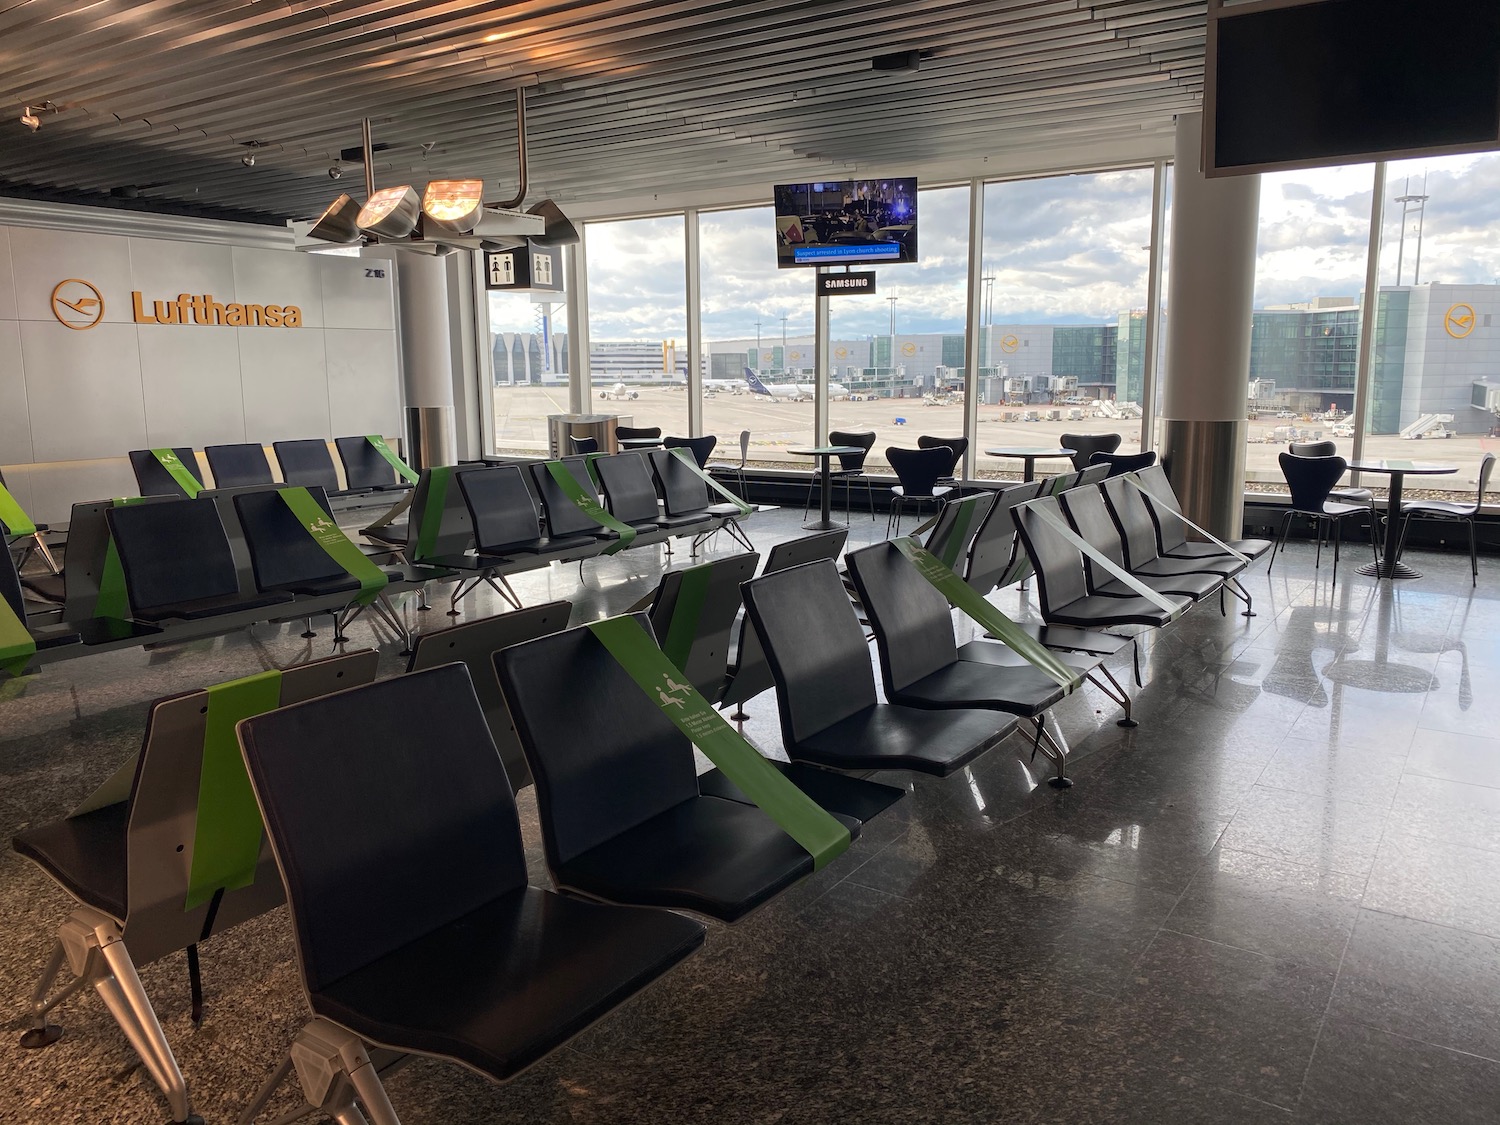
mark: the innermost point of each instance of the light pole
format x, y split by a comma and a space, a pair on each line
989, 318
757, 347
892, 300
1406, 202
783, 342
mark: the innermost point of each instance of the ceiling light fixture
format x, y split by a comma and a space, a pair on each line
391, 212
453, 206
29, 116
339, 223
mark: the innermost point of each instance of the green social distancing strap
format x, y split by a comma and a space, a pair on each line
433, 507
691, 594
15, 519
685, 455
799, 816
591, 507
403, 470
340, 548
226, 838
184, 477
112, 600
958, 534
963, 597
16, 645
1133, 480
1096, 556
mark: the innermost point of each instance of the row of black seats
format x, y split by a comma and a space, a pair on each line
304, 462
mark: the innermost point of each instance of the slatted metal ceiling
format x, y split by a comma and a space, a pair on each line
162, 98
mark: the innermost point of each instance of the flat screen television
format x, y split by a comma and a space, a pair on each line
1299, 84
846, 222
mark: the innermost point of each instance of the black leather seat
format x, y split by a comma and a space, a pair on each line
1090, 518
631, 493
85, 854
1171, 533
365, 470
307, 462
239, 466
48, 637
1084, 446
397, 835
566, 519
504, 515
154, 480
684, 493
1133, 520
995, 557
617, 792
825, 687
693, 613
283, 556
1118, 464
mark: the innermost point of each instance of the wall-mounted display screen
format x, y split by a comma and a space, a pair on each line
846, 222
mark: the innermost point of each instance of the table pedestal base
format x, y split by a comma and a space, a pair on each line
1384, 569
823, 525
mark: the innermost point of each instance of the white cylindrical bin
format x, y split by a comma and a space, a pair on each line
427, 360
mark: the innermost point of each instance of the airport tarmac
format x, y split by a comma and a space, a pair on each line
775, 426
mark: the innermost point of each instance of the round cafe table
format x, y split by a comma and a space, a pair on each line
638, 442
1028, 455
824, 453
1388, 566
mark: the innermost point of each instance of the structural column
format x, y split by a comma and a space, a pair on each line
1206, 385
427, 360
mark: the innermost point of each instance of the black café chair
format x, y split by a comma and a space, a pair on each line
851, 469
919, 471
1084, 446
1330, 449
1450, 512
958, 446
396, 833
730, 468
581, 445
1311, 480
617, 790
825, 687
702, 448
637, 431
1118, 464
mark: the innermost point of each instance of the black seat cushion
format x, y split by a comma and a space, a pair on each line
1100, 612
85, 854
853, 800
504, 984
1003, 656
342, 584
1250, 548
1225, 566
891, 737
720, 858
1022, 690
1195, 586
48, 587
212, 607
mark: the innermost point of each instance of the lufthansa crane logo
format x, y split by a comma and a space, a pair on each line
77, 304
908, 348
1009, 343
1459, 321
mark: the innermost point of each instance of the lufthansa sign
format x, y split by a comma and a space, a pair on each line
79, 305
838, 284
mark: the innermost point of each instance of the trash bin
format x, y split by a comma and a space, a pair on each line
600, 427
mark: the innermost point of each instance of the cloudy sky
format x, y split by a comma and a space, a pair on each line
1067, 249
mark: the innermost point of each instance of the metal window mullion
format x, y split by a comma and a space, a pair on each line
1153, 306
972, 326
694, 298
1369, 307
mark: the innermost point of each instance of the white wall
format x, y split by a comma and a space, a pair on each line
73, 403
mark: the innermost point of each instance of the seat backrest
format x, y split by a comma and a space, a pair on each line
1084, 446
1057, 563
164, 809
701, 448
919, 469
1171, 533
637, 431
582, 444
693, 615
1486, 467
1311, 479
173, 553
913, 623
1312, 448
563, 516
236, 466
1059, 484
389, 813
1094, 474
1086, 511
682, 490
364, 467
956, 526
601, 769
1120, 463
628, 487
282, 553
154, 480
745, 447
501, 507
814, 646
88, 549
475, 643
307, 462
995, 555
959, 446
864, 442
806, 549
1133, 519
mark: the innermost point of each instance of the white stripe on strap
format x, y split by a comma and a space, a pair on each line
1133, 479
1099, 559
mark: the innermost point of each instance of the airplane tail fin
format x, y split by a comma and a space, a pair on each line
754, 383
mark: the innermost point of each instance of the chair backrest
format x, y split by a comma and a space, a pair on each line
958, 445
701, 447
744, 447
438, 524
563, 516
865, 441
1058, 565
88, 548
913, 623
693, 615
956, 526
682, 490
154, 480
1171, 533
628, 486
1084, 446
501, 507
1094, 474
637, 431
1486, 467
172, 553
1132, 516
364, 467
1311, 479
1087, 512
1121, 463
919, 469
806, 549
163, 813
307, 461
1312, 448
602, 769
583, 444
282, 553
995, 555
814, 646
235, 466
475, 643
1059, 484
389, 813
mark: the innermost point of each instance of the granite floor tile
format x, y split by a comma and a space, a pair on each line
1471, 759
1455, 811
1318, 831
1360, 775
1436, 881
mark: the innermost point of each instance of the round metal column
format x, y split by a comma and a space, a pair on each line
427, 359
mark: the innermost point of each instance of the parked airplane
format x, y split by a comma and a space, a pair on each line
619, 390
790, 392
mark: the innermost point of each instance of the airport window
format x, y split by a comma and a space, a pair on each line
638, 321
529, 364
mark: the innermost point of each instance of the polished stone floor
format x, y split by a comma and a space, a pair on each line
1276, 900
